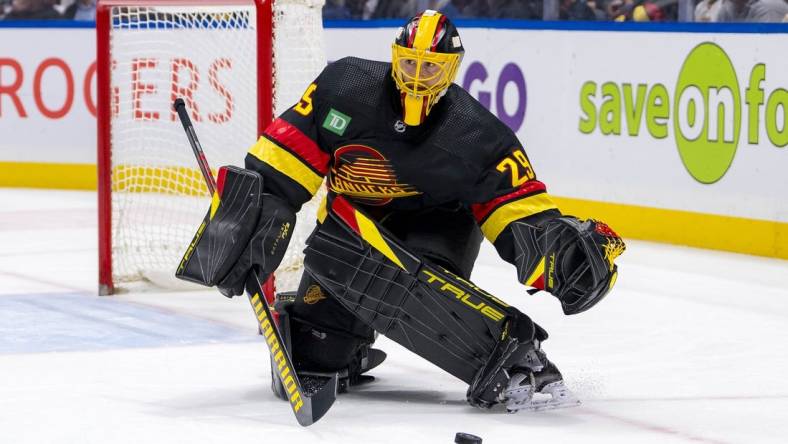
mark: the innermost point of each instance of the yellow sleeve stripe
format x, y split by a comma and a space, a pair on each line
287, 164
502, 216
371, 234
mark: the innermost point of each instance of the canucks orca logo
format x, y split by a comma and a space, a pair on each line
362, 173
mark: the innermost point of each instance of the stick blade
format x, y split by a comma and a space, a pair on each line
318, 403
310, 403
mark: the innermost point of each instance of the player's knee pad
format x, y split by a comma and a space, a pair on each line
325, 336
320, 349
316, 349
315, 305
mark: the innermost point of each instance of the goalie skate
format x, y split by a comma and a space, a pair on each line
520, 395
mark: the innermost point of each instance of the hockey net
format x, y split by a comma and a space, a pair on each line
233, 71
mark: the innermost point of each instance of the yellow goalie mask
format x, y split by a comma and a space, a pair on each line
424, 62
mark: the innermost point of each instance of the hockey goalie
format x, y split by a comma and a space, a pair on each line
417, 174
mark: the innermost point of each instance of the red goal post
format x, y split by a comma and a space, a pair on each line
236, 63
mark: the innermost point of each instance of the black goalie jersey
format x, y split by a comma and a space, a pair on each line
347, 128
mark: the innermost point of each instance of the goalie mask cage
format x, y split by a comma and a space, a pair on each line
235, 63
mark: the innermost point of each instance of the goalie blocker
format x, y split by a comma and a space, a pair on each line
244, 229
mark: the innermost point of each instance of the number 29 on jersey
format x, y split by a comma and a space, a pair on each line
518, 166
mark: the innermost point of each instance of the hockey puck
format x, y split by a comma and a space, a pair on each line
466, 438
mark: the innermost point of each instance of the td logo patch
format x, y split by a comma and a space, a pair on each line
336, 122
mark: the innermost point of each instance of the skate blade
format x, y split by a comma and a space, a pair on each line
554, 396
542, 405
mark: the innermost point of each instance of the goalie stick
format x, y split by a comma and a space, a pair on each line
308, 408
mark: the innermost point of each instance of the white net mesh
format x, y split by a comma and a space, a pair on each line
305, 58
207, 55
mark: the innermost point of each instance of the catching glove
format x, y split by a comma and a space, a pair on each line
570, 258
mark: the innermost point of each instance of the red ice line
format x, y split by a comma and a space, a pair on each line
651, 427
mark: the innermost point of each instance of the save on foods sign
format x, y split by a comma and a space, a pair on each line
708, 108
672, 136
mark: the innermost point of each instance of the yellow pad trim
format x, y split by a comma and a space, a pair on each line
322, 210
502, 216
215, 201
613, 279
538, 271
286, 163
426, 31
371, 234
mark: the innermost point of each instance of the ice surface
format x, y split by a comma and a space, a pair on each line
689, 347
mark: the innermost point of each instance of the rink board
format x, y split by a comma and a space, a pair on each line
610, 120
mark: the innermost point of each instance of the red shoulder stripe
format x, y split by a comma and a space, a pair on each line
299, 143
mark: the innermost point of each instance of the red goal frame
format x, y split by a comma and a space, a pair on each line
265, 106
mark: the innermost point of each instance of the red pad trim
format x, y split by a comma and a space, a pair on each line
299, 143
481, 211
539, 283
220, 180
346, 212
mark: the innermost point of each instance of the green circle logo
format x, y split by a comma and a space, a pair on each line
707, 113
